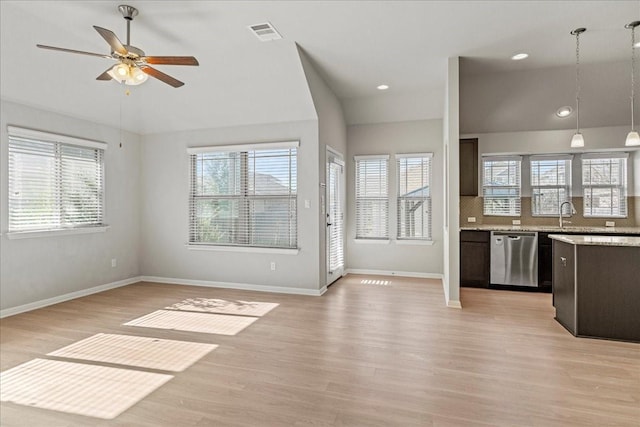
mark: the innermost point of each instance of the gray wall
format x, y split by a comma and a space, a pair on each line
39, 268
528, 99
558, 141
165, 186
395, 138
332, 132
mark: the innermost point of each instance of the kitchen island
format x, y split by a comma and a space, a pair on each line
596, 285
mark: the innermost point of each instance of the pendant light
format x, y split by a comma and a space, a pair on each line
633, 139
577, 140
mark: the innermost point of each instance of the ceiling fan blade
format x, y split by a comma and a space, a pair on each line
81, 52
105, 75
170, 60
161, 76
112, 39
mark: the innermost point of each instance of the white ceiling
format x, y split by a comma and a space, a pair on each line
355, 44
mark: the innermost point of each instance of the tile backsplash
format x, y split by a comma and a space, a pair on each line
472, 207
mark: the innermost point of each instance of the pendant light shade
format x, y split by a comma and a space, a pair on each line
633, 139
577, 140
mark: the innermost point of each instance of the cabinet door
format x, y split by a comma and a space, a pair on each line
545, 267
469, 167
564, 298
474, 264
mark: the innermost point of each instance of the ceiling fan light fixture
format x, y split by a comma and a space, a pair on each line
128, 74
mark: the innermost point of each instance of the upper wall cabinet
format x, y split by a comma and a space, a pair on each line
469, 167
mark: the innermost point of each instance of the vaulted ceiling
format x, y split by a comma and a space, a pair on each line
356, 45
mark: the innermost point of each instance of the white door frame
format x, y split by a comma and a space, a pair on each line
334, 157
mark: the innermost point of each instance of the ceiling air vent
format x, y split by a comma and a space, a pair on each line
265, 32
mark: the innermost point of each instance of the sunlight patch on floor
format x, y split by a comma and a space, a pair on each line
375, 282
211, 305
94, 391
143, 352
193, 322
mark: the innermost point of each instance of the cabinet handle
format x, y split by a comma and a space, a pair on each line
563, 260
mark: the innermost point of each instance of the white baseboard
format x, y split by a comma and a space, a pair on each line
66, 297
394, 273
454, 304
232, 285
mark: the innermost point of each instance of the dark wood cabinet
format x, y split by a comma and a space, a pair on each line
564, 285
469, 167
545, 262
595, 290
474, 258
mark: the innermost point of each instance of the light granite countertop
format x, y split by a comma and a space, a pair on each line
553, 229
597, 240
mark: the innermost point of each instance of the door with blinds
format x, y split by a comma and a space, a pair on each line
335, 216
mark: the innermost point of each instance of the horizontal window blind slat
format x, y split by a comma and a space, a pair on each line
54, 185
372, 192
245, 198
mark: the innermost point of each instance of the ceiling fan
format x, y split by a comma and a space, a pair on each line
133, 65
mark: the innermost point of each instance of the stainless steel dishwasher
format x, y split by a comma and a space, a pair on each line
514, 258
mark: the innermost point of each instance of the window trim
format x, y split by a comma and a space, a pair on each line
386, 157
428, 200
16, 132
518, 187
568, 187
193, 152
624, 186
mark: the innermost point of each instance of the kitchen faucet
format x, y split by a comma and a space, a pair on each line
573, 211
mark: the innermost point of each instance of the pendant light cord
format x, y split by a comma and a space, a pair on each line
633, 73
577, 82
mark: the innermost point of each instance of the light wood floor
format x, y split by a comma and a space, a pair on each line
361, 355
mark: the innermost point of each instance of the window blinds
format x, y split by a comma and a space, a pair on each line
244, 198
52, 184
604, 184
550, 184
414, 196
335, 214
501, 185
372, 202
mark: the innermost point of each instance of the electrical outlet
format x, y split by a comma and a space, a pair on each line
609, 223
307, 203
515, 222
471, 219
273, 266
114, 262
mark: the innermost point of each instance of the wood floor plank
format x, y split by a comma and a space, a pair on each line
361, 355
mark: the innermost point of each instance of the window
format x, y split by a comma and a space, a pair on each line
244, 195
550, 184
372, 197
55, 182
501, 185
604, 184
414, 196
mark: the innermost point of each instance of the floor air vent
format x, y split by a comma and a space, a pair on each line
265, 32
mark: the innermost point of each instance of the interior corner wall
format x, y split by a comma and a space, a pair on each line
165, 212
451, 182
396, 138
332, 132
41, 268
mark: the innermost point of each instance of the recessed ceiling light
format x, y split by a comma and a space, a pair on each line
520, 56
564, 111
637, 44
383, 87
